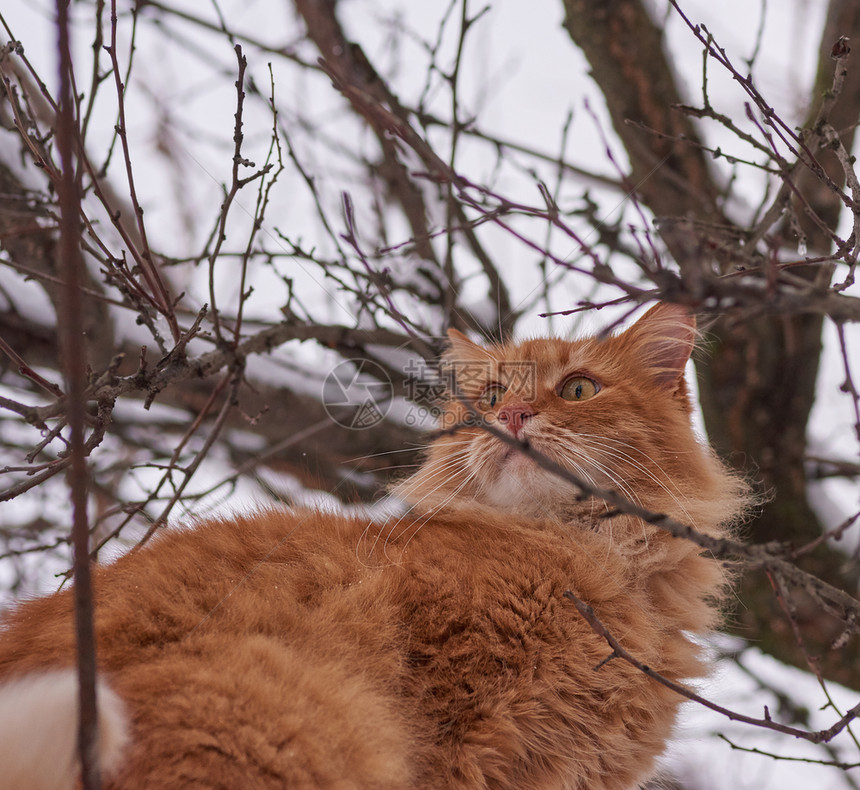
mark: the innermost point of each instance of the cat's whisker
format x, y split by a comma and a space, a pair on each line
450, 475
614, 453
382, 453
415, 446
622, 487
611, 473
427, 517
370, 456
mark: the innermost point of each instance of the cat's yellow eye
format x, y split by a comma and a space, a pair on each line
491, 395
578, 388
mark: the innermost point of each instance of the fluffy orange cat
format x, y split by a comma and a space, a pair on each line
434, 650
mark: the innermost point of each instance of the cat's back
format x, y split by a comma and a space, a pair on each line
215, 574
326, 649
240, 656
366, 592
352, 588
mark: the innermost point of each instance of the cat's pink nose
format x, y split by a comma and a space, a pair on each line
514, 416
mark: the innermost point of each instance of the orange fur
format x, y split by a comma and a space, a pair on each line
310, 650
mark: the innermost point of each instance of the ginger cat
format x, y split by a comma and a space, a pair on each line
312, 650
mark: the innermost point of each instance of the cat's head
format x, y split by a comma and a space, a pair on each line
615, 412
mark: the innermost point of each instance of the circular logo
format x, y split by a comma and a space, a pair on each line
357, 394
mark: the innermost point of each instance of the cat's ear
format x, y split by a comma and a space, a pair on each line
471, 365
664, 339
462, 349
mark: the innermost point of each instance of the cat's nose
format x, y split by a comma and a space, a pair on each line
514, 416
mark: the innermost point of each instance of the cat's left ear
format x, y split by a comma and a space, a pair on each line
664, 339
462, 349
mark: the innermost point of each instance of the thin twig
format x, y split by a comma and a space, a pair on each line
74, 364
820, 736
144, 256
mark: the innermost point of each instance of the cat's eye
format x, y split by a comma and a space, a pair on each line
578, 388
491, 395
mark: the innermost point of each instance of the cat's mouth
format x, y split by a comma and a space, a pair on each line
509, 453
